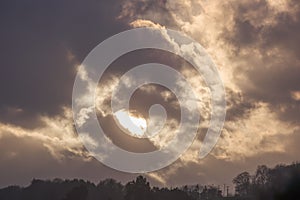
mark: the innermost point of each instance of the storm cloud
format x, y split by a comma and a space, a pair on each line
254, 43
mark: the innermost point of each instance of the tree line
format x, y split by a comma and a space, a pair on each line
280, 182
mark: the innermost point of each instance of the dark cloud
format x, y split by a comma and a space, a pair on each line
260, 26
237, 106
18, 116
246, 32
41, 44
143, 98
154, 10
285, 34
20, 164
268, 55
43, 41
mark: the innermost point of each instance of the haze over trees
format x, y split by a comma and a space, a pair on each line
281, 182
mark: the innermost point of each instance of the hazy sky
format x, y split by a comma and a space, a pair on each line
254, 44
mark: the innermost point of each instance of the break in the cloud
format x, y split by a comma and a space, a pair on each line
254, 43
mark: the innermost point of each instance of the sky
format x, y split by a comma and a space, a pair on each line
253, 43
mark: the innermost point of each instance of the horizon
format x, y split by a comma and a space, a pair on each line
259, 185
181, 92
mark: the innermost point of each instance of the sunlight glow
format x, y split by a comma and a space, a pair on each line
136, 126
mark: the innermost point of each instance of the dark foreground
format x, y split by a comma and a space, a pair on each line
281, 182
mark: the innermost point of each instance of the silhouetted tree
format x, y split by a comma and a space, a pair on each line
11, 193
211, 193
279, 183
111, 189
242, 184
262, 176
193, 191
77, 193
138, 189
285, 182
173, 194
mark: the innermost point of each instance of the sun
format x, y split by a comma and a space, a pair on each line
131, 123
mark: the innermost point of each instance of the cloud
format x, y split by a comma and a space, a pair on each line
48, 151
155, 11
24, 158
254, 44
254, 50
268, 63
41, 52
295, 95
248, 137
144, 23
56, 135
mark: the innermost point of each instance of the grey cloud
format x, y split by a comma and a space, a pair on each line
267, 55
43, 41
142, 99
257, 24
20, 164
285, 33
41, 44
154, 10
237, 105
